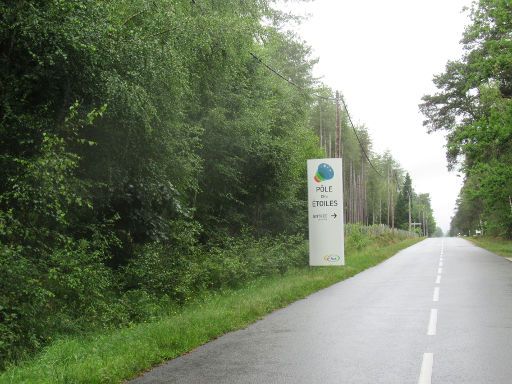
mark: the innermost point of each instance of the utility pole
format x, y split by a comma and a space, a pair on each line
350, 194
380, 208
320, 124
337, 149
423, 223
330, 145
363, 194
389, 200
392, 198
352, 191
409, 211
392, 202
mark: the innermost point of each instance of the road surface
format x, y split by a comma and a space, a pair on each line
437, 312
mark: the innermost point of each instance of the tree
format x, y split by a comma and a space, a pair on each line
402, 205
128, 124
474, 105
422, 213
138, 140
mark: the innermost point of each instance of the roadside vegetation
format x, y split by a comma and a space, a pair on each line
499, 246
116, 355
148, 158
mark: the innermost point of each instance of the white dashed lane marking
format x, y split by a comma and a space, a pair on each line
432, 323
436, 294
426, 369
428, 357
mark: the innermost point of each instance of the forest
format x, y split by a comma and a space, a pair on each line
148, 154
473, 106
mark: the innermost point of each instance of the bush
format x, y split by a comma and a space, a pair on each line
53, 277
69, 289
357, 240
159, 270
23, 298
63, 291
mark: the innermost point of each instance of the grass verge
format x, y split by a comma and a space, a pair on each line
498, 246
121, 354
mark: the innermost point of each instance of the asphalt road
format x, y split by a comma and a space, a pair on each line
437, 312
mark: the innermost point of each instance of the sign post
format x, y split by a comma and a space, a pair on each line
325, 211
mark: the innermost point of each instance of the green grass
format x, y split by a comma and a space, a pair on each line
498, 246
122, 354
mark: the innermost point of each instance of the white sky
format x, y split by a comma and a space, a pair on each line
382, 56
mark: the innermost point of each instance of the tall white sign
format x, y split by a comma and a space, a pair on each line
325, 210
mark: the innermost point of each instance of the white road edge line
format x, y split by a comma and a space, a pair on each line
438, 280
439, 270
436, 294
432, 323
426, 369
441, 263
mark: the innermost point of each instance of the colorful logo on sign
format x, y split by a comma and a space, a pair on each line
331, 258
324, 172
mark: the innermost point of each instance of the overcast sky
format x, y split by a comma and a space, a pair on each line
382, 56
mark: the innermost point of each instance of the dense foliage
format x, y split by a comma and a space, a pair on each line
146, 155
474, 105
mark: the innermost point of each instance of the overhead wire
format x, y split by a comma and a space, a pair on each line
358, 139
275, 72
289, 81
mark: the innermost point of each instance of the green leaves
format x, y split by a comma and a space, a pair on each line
474, 104
130, 124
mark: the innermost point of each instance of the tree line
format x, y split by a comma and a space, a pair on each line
474, 106
146, 155
376, 192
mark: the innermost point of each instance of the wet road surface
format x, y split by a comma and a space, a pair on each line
437, 312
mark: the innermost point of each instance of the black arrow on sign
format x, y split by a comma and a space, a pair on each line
334, 215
